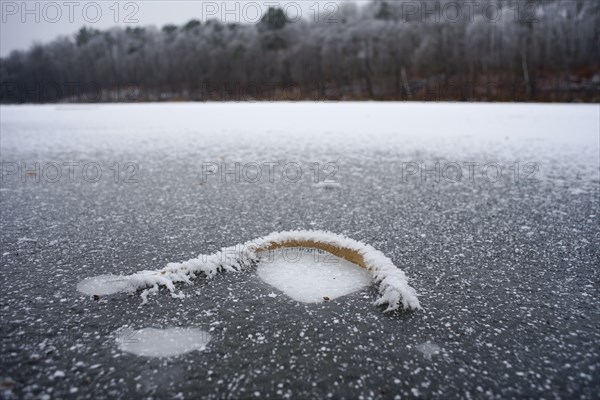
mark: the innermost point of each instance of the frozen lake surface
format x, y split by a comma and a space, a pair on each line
492, 210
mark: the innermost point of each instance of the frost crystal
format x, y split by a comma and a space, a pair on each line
394, 289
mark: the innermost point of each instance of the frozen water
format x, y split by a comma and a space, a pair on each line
498, 300
102, 285
428, 349
151, 342
454, 129
312, 276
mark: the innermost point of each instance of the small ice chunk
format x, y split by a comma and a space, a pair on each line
102, 285
311, 276
58, 374
151, 342
428, 349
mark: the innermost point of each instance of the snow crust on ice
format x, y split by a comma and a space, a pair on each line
544, 132
310, 276
151, 342
394, 289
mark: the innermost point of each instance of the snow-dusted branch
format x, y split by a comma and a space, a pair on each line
394, 289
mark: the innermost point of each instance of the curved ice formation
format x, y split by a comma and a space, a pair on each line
393, 283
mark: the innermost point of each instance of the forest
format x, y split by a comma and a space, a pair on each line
500, 50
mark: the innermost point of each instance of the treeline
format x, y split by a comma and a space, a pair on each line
501, 50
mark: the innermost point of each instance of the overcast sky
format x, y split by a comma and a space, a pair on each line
42, 21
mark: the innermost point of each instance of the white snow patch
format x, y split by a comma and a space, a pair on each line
310, 276
102, 285
570, 131
58, 374
428, 349
151, 342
